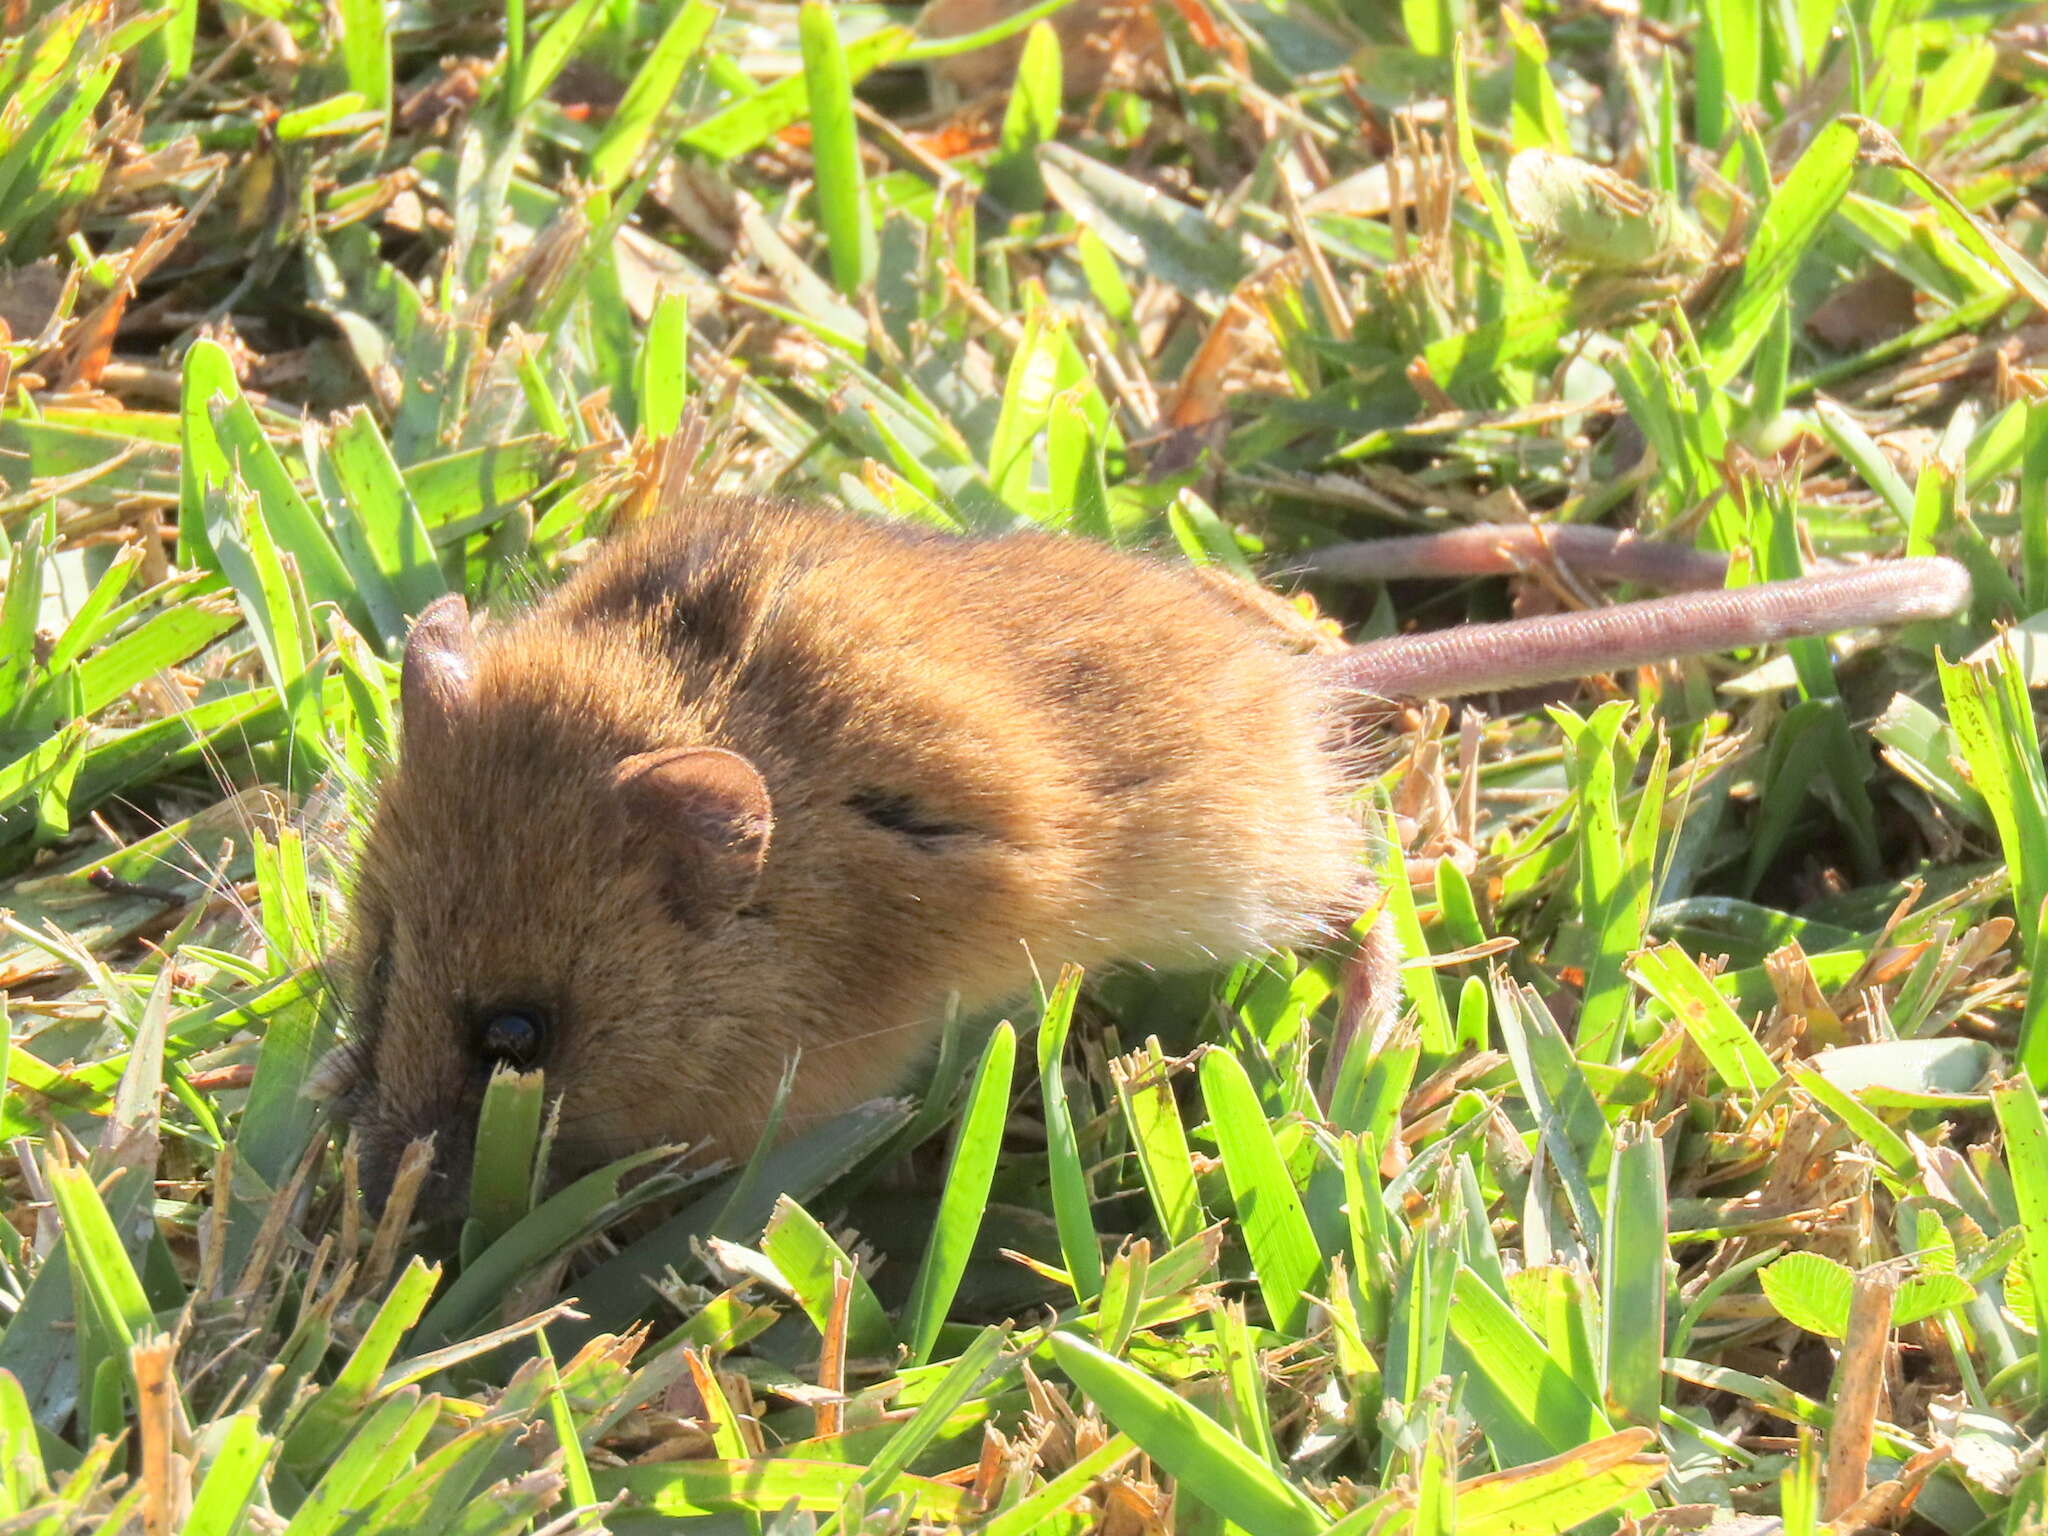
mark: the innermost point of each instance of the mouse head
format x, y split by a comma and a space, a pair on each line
543, 884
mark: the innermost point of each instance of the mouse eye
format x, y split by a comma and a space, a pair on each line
516, 1036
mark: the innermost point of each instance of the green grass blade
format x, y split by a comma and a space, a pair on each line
232, 1479
2033, 507
1031, 1514
1373, 1085
1374, 1259
203, 463
808, 1259
1032, 118
508, 1133
22, 1473
1855, 445
664, 376
1527, 1405
1418, 982
1123, 1295
1562, 1493
1566, 1110
1200, 1454
551, 52
1674, 978
575, 1464
967, 1377
166, 50
270, 599
1072, 1199
21, 608
95, 619
1536, 118
1512, 281
327, 1418
686, 1489
1633, 1281
649, 94
431, 1496
366, 53
277, 1117
1800, 208
1269, 1210
1078, 489
2017, 1104
1614, 884
1988, 245
971, 1170
100, 1263
1028, 391
560, 1220
616, 1291
1731, 57
843, 208
1161, 1143
374, 1458
744, 125
1887, 1145
1988, 706
1150, 232
287, 518
1244, 1380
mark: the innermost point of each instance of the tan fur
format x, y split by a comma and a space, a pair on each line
1100, 758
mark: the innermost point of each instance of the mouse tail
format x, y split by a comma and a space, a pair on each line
1481, 658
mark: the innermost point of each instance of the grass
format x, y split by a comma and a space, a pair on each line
1707, 1167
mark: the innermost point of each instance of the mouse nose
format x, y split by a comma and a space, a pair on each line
444, 1196
441, 1194
375, 1188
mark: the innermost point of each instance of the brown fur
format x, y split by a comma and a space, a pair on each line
972, 776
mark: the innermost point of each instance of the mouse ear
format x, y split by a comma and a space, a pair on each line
708, 813
435, 683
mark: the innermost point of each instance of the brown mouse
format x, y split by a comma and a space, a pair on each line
764, 778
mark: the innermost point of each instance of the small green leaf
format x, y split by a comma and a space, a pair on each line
1810, 1291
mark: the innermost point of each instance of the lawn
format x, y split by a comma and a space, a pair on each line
1704, 1173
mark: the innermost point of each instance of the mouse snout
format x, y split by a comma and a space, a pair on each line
441, 1190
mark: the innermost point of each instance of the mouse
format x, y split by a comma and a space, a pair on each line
766, 782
